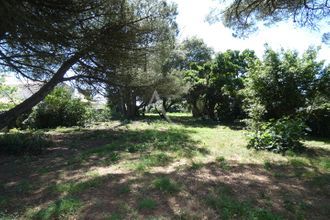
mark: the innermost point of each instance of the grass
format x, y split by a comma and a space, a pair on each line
125, 189
230, 208
222, 162
59, 209
151, 160
167, 185
267, 165
78, 187
150, 169
147, 204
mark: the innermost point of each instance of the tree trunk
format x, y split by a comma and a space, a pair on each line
8, 117
131, 104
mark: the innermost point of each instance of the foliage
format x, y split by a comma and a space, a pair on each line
59, 108
139, 82
98, 115
244, 15
43, 40
282, 84
278, 136
216, 84
318, 120
23, 143
190, 51
6, 93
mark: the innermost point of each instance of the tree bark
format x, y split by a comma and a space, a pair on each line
8, 117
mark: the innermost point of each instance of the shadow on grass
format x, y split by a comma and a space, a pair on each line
58, 182
27, 182
245, 191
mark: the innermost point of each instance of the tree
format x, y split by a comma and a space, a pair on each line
192, 50
6, 95
132, 86
228, 73
187, 58
216, 85
244, 15
283, 84
44, 40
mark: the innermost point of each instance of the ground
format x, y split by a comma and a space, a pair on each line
150, 169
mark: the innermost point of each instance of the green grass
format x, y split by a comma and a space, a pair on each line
59, 209
267, 165
222, 162
147, 204
4, 200
156, 159
135, 160
166, 184
77, 187
114, 216
24, 186
125, 189
230, 208
196, 165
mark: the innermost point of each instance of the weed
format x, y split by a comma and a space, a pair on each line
223, 163
297, 162
147, 204
324, 163
17, 143
196, 165
59, 209
124, 189
321, 181
267, 165
165, 184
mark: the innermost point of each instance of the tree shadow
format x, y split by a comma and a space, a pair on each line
239, 191
34, 180
62, 182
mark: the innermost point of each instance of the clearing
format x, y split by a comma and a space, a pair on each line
150, 169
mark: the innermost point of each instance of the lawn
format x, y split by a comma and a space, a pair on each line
151, 169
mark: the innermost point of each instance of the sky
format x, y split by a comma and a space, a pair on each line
191, 21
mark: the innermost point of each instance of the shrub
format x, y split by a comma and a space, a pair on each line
23, 143
98, 115
318, 120
59, 109
278, 136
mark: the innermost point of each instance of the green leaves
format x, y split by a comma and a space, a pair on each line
278, 136
59, 109
282, 83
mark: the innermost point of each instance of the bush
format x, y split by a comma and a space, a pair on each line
318, 120
278, 136
23, 143
99, 115
59, 109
